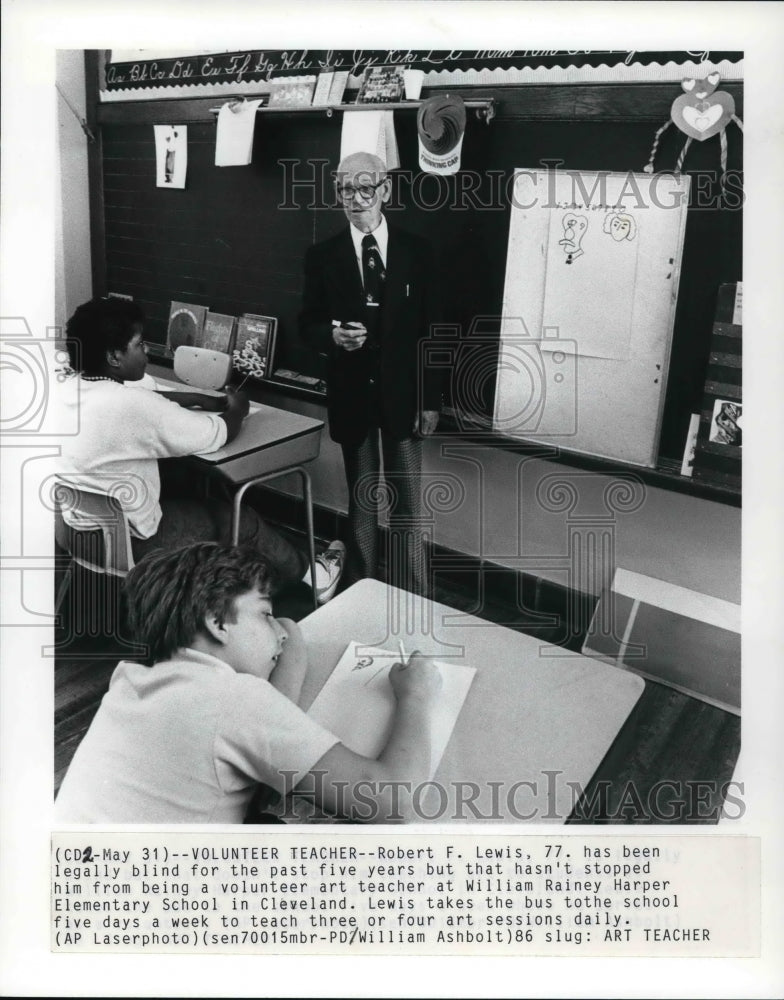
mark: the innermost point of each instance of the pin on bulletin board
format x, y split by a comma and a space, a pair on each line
700, 112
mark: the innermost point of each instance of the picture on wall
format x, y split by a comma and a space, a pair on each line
381, 85
726, 423
171, 155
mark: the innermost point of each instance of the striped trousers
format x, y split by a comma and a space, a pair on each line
399, 489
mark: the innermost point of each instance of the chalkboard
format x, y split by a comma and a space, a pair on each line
592, 274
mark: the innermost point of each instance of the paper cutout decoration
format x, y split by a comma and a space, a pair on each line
697, 116
700, 112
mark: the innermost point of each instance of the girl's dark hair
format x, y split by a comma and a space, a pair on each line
169, 594
98, 326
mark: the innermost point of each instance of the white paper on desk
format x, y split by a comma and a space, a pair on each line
357, 702
370, 132
234, 140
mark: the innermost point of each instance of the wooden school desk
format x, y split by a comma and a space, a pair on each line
536, 717
271, 443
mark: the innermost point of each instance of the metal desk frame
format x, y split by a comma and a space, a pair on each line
307, 496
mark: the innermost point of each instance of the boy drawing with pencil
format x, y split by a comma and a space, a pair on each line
189, 737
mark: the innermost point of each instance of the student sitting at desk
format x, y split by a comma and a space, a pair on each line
189, 738
124, 429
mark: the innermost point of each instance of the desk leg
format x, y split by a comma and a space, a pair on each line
307, 496
236, 514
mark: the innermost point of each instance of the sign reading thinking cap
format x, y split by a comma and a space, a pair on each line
441, 125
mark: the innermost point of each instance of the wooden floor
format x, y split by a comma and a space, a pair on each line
670, 763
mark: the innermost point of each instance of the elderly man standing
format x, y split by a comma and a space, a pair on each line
369, 304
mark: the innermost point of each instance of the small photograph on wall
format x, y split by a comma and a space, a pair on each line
726, 423
381, 85
171, 155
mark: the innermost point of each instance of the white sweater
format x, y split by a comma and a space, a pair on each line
123, 431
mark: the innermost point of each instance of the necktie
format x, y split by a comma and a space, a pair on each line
373, 276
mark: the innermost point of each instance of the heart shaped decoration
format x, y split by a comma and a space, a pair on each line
702, 119
706, 86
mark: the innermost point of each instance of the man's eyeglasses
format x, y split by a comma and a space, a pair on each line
365, 191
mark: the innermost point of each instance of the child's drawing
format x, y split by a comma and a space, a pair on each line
574, 227
590, 302
620, 225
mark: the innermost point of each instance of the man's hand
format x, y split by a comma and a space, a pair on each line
426, 422
350, 337
419, 680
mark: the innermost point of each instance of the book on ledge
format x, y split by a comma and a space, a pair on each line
288, 377
186, 323
254, 346
218, 332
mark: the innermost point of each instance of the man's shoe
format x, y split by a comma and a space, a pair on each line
329, 569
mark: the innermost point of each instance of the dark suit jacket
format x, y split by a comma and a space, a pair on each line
389, 364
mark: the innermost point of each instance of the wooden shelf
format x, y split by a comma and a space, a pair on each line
483, 107
186, 110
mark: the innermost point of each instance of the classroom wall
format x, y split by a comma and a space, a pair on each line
496, 503
73, 269
503, 506
235, 238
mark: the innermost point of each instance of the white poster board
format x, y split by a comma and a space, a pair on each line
591, 284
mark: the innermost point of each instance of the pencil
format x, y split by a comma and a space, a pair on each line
403, 654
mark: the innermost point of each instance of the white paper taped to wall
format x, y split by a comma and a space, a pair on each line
357, 702
234, 140
370, 132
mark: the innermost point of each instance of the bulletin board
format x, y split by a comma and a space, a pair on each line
592, 272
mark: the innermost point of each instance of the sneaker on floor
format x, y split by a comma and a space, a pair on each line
329, 568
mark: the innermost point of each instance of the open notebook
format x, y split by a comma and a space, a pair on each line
357, 702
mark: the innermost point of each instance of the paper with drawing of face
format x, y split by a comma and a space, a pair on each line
574, 227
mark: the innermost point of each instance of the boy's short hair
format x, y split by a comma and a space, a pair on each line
169, 594
98, 326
